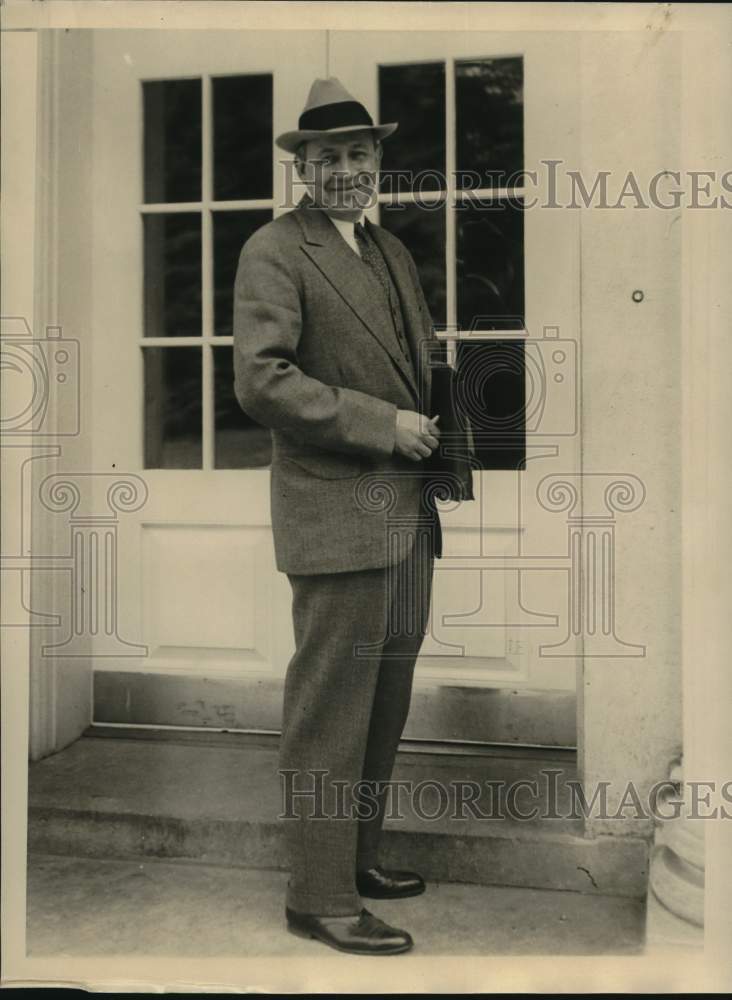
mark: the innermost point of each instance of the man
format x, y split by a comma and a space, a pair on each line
330, 335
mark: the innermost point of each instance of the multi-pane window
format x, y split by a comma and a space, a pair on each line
207, 186
451, 191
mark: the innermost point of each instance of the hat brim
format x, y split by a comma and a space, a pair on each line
289, 141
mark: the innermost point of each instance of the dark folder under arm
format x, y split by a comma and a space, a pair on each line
453, 461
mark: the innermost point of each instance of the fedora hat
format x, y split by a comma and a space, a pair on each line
331, 110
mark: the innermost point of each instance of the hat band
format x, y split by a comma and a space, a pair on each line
338, 115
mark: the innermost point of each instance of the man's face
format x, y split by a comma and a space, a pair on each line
340, 172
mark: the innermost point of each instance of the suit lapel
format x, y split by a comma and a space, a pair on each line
346, 273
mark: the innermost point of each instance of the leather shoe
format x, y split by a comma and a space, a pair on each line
360, 934
380, 883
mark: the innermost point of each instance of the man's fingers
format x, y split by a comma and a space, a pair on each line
423, 440
428, 425
418, 451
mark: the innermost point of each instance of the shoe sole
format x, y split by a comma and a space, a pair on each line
394, 895
308, 935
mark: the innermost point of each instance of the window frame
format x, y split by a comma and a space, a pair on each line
500, 451
451, 335
451, 195
209, 339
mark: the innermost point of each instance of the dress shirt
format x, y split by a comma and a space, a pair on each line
345, 228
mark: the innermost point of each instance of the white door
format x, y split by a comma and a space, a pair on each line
198, 630
184, 171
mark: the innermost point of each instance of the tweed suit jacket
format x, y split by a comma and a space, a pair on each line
315, 361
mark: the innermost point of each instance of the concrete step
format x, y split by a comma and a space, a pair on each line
98, 908
215, 798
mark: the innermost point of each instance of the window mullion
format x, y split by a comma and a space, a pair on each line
207, 275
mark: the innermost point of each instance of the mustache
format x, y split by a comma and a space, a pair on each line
360, 188
351, 182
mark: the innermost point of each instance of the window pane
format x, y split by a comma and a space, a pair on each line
172, 407
172, 275
242, 127
490, 115
240, 442
490, 266
172, 140
422, 230
414, 96
490, 389
231, 231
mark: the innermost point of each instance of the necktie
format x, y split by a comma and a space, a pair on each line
371, 256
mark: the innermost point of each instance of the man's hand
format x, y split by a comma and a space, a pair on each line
416, 435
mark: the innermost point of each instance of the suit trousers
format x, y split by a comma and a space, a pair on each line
346, 700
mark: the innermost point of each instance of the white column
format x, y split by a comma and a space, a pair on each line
688, 850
